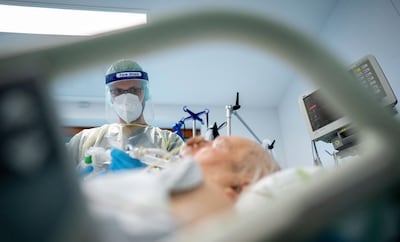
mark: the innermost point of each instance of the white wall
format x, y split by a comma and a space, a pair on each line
355, 28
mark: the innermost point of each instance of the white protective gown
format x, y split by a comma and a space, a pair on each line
120, 136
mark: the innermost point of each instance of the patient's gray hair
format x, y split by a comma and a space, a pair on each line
258, 163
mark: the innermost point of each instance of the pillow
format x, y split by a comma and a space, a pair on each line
271, 188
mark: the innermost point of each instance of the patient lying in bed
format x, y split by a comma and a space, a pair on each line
206, 182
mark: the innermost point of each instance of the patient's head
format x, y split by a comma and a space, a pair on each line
231, 162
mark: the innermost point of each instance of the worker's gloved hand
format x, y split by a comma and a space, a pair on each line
120, 160
84, 171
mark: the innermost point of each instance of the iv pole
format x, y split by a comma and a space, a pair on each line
231, 109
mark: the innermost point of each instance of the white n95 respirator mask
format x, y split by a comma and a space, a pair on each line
128, 107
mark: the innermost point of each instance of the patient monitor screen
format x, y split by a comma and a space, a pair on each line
368, 77
318, 112
368, 71
322, 122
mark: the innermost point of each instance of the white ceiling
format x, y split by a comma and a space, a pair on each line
207, 73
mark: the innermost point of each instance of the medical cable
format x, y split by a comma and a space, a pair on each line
154, 157
316, 158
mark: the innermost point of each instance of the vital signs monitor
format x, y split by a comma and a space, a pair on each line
323, 124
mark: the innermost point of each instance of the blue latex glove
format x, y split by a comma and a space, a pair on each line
85, 171
120, 160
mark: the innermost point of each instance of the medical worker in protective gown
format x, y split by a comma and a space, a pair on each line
127, 97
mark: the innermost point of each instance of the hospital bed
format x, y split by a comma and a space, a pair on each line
40, 199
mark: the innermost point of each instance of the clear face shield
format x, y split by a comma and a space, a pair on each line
128, 99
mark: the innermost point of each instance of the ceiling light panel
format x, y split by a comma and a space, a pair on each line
56, 21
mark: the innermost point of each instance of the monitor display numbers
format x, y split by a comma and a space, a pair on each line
318, 112
366, 74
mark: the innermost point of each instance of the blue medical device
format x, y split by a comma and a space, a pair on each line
192, 116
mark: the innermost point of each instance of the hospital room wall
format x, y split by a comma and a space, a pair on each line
354, 29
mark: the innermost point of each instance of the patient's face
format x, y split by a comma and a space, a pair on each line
221, 163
